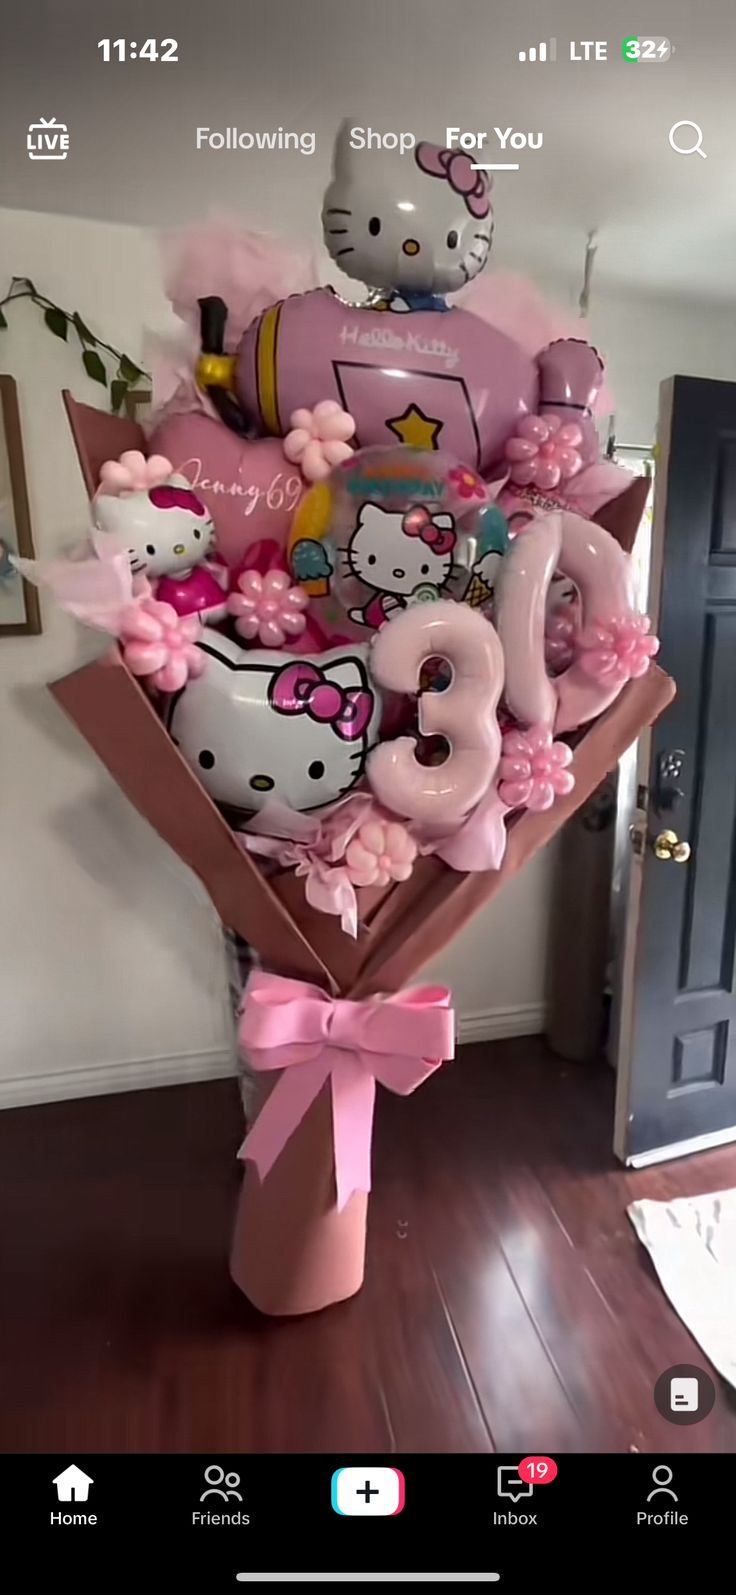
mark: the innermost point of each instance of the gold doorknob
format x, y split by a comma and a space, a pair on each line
668, 846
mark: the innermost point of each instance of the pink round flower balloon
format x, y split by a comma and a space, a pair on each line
617, 649
319, 439
268, 609
161, 645
533, 769
544, 451
380, 852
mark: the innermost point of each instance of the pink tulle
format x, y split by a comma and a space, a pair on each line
533, 770
315, 847
618, 649
248, 270
512, 304
160, 645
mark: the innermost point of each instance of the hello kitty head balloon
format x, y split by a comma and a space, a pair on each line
419, 222
262, 724
165, 528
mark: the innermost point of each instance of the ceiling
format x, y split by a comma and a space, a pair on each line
667, 223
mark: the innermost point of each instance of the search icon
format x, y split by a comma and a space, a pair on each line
688, 149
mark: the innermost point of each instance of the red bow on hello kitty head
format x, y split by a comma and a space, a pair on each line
460, 173
437, 531
303, 688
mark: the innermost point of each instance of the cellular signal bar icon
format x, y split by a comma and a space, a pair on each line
540, 52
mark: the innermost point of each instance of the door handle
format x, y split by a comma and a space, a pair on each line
667, 793
667, 845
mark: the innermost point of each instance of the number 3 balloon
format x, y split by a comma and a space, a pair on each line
464, 714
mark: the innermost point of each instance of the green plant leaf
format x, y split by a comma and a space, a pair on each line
3, 320
94, 367
56, 322
129, 371
83, 331
118, 391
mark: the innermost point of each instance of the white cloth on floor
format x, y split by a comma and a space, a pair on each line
692, 1243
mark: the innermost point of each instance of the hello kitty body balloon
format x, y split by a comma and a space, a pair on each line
260, 725
167, 533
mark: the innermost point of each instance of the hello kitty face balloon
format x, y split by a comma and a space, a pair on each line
417, 225
165, 529
401, 557
262, 724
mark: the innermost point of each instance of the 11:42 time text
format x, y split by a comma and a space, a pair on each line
149, 50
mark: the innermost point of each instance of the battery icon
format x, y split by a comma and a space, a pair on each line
646, 49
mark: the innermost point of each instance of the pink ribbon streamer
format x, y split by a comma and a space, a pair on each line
313, 847
311, 1037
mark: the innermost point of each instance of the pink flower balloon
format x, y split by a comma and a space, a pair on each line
268, 608
133, 472
533, 769
544, 452
618, 649
379, 853
319, 438
161, 645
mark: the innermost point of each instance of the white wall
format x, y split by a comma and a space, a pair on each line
111, 965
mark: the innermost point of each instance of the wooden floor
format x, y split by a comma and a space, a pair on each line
519, 1313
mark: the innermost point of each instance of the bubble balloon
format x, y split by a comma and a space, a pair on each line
389, 528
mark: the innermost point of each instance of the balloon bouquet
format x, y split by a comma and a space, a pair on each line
360, 660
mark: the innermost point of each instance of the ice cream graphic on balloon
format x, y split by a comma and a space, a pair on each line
403, 558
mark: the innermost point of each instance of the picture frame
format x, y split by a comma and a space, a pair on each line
20, 611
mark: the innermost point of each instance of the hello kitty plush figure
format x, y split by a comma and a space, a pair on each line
154, 515
402, 558
415, 226
262, 725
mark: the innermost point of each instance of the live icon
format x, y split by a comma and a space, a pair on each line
589, 50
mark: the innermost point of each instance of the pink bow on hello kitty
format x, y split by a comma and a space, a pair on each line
417, 522
458, 170
302, 688
170, 497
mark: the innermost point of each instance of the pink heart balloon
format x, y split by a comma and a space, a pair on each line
249, 487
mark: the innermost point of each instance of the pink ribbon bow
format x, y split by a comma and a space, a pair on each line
434, 530
302, 688
294, 1026
457, 168
170, 497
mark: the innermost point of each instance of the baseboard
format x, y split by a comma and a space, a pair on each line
141, 1074
103, 1079
526, 1019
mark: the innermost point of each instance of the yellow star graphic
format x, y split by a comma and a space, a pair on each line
417, 430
